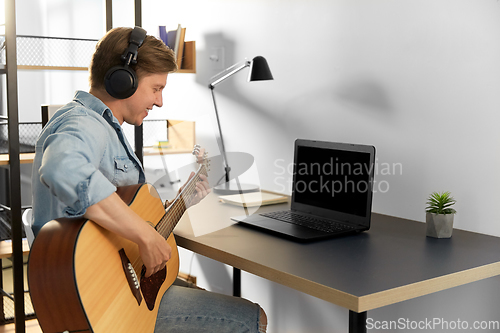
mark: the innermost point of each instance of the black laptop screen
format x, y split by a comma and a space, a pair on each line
333, 179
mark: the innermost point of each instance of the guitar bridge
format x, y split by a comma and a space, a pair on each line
132, 279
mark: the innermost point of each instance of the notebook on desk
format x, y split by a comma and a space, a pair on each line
331, 193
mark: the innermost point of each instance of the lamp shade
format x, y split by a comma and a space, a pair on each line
259, 70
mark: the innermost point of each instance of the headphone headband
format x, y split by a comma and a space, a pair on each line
136, 39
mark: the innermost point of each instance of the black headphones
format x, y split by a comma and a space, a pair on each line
121, 81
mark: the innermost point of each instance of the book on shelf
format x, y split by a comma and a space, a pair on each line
174, 39
180, 46
254, 199
169, 37
162, 33
162, 144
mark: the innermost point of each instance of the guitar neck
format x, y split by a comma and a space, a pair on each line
179, 205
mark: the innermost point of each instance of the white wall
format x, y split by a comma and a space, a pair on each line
417, 79
420, 80
54, 18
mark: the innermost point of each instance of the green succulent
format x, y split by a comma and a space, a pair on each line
440, 203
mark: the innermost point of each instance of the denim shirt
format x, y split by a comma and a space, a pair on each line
81, 158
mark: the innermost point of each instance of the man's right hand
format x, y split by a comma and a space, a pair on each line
154, 251
113, 214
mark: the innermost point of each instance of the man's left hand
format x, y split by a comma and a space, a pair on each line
202, 189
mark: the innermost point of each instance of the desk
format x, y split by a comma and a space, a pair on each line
392, 262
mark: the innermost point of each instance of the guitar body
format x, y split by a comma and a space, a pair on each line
78, 273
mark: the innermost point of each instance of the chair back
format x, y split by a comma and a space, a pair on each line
27, 226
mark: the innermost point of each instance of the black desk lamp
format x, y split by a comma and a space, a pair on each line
259, 71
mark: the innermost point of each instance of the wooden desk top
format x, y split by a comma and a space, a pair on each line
392, 262
24, 157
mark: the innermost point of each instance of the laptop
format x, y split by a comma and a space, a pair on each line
331, 193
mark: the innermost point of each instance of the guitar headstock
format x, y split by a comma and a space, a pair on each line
201, 156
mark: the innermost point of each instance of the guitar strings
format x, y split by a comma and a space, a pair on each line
166, 230
166, 226
178, 209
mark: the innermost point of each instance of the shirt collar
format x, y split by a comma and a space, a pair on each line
95, 104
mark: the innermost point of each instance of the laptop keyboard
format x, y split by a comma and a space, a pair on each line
308, 221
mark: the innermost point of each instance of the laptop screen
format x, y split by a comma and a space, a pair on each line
333, 180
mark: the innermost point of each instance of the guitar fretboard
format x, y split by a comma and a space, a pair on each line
179, 204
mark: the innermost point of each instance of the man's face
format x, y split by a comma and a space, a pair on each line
148, 94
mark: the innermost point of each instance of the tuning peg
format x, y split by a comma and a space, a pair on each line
196, 149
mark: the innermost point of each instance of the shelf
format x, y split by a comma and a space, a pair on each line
24, 157
71, 54
32, 326
6, 248
151, 151
181, 139
188, 64
53, 68
52, 53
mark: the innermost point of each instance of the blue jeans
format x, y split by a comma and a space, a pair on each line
192, 310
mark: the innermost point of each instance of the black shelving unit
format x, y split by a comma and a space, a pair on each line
138, 132
14, 146
10, 70
139, 140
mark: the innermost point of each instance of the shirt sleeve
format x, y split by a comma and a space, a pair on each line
70, 162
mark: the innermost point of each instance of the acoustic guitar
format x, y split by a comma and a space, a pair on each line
84, 278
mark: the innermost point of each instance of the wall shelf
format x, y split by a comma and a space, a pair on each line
53, 68
73, 54
188, 64
52, 53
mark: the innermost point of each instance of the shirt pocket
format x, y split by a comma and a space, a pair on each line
126, 172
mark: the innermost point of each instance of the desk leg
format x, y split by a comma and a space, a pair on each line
2, 310
236, 282
357, 322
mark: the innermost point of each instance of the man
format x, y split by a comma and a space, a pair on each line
82, 156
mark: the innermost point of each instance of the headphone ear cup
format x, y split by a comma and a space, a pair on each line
120, 82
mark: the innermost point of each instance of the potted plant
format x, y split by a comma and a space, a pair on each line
439, 215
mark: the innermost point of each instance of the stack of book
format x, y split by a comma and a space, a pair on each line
174, 39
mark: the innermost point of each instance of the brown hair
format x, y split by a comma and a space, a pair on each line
153, 56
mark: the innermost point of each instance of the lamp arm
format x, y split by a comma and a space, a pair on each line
230, 72
223, 149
